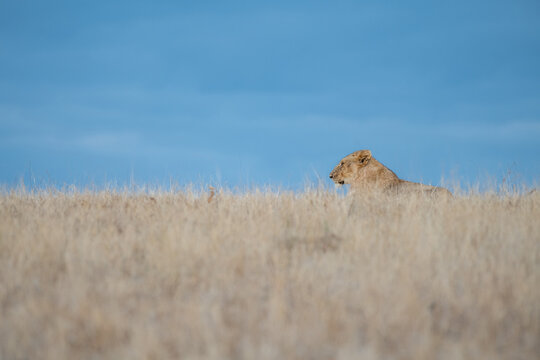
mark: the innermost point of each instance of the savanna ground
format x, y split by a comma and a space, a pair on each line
268, 275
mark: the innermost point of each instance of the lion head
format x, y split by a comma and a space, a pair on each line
349, 166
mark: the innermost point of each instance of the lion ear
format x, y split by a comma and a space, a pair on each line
368, 155
364, 155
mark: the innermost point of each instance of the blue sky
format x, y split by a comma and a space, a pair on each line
254, 93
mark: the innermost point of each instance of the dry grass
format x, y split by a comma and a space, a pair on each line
266, 275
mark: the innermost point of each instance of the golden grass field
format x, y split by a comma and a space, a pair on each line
268, 275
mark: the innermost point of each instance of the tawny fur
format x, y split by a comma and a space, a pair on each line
364, 173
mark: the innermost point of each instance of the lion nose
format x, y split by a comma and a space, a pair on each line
331, 176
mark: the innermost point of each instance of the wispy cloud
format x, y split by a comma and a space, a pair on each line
127, 144
101, 142
109, 142
492, 132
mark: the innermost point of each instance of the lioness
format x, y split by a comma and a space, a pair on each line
363, 172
